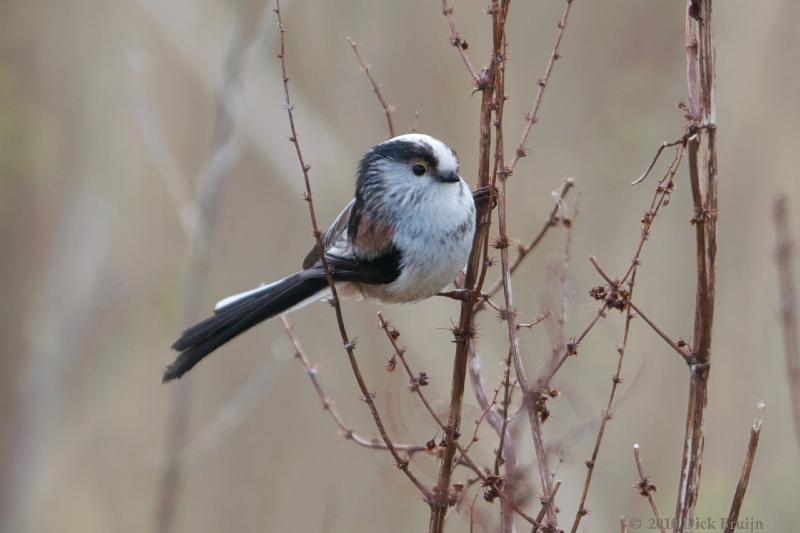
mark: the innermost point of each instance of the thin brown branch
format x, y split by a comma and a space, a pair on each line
661, 148
523, 251
416, 382
547, 503
531, 117
702, 151
535, 322
607, 413
660, 198
387, 108
647, 489
547, 376
328, 406
510, 315
788, 299
506, 446
349, 346
744, 478
623, 525
487, 406
473, 281
460, 44
675, 345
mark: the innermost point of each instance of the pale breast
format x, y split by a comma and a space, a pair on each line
435, 244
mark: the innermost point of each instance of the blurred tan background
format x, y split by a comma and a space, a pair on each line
102, 104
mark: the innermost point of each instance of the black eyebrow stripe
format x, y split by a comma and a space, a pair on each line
403, 151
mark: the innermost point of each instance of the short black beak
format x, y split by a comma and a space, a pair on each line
449, 177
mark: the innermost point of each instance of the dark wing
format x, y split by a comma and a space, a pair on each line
337, 232
375, 271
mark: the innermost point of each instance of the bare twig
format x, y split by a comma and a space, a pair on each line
387, 108
328, 405
547, 503
499, 11
460, 44
623, 525
703, 175
788, 299
551, 221
548, 374
607, 413
647, 489
675, 345
499, 14
417, 381
531, 117
473, 281
744, 478
661, 148
616, 287
349, 345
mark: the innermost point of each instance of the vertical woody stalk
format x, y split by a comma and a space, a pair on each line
701, 148
464, 331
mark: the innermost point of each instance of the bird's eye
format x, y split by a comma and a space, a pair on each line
419, 169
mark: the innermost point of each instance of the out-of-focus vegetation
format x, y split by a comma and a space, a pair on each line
94, 255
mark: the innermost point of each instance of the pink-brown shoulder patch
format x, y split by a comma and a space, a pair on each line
373, 236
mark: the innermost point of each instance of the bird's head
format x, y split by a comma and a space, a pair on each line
408, 163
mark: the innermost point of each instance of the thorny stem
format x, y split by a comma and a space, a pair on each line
606, 414
531, 117
544, 380
703, 175
523, 251
460, 44
349, 346
387, 108
660, 198
473, 281
487, 406
547, 503
744, 478
647, 489
788, 301
500, 11
416, 384
328, 406
673, 344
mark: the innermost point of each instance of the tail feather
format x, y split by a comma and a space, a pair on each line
237, 317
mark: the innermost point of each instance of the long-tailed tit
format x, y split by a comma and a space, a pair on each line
406, 234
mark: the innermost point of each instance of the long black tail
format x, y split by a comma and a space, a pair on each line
231, 320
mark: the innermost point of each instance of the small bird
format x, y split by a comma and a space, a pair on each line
407, 234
